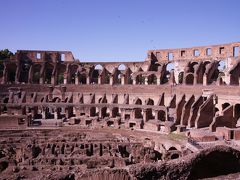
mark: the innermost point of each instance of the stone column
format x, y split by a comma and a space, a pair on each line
158, 81
99, 79
111, 80
123, 80
88, 80
204, 80
134, 80
145, 115
156, 114
195, 79
76, 79
145, 80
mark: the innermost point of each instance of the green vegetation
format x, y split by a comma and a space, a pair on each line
177, 137
5, 54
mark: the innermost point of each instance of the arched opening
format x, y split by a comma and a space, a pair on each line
48, 73
122, 67
237, 111
82, 78
73, 73
36, 74
149, 101
180, 77
1, 70
161, 115
189, 79
174, 156
172, 148
225, 105
24, 71
209, 163
221, 65
152, 79
138, 101
92, 111
221, 68
12, 68
95, 74
120, 72
115, 112
191, 67
138, 113
169, 67
104, 112
60, 76
140, 79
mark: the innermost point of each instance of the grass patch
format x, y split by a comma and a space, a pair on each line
177, 137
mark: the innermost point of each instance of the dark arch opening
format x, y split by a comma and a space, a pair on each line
215, 164
174, 156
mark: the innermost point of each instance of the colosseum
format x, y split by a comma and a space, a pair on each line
174, 115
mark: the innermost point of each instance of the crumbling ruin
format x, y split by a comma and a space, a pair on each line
188, 91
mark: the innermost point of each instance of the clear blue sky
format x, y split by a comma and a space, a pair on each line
112, 30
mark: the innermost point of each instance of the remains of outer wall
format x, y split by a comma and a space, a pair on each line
188, 89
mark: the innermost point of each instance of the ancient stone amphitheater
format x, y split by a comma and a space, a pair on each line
175, 115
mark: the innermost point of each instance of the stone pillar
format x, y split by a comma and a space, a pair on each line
111, 112
156, 114
123, 114
204, 80
132, 114
123, 80
111, 80
134, 81
145, 80
53, 80
17, 74
55, 113
65, 80
76, 79
145, 119
99, 80
158, 81
43, 113
41, 80
50, 93
195, 79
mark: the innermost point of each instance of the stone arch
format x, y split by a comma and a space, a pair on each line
122, 67
225, 105
161, 115
170, 66
180, 77
92, 111
152, 79
104, 112
24, 71
149, 101
98, 68
237, 111
1, 70
61, 73
221, 65
140, 79
115, 112
73, 73
48, 73
11, 68
36, 73
189, 79
138, 101
191, 66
